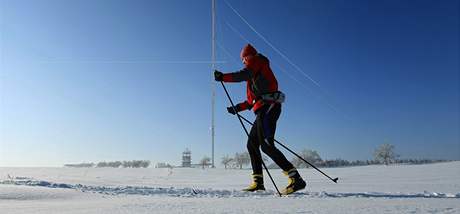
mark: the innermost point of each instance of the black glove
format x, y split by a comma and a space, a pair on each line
218, 76
231, 110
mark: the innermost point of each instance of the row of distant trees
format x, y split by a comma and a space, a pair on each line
113, 164
238, 160
384, 154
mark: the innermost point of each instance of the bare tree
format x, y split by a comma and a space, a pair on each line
80, 165
242, 159
102, 164
145, 163
226, 160
309, 155
136, 164
385, 154
114, 164
163, 165
127, 164
204, 162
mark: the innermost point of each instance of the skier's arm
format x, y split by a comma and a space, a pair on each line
239, 107
239, 76
253, 65
244, 106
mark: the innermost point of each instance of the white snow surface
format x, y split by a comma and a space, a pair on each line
432, 188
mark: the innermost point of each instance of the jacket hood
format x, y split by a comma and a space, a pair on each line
248, 50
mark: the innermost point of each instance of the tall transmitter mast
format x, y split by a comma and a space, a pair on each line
213, 85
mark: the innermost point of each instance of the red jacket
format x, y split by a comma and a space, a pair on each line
259, 80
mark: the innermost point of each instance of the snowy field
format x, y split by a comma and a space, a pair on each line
433, 188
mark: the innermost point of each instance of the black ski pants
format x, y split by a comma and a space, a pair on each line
262, 136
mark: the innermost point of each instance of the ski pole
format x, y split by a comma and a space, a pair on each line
247, 133
333, 179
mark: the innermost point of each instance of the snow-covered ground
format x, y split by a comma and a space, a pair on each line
433, 188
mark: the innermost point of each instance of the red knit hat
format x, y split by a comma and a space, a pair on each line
248, 50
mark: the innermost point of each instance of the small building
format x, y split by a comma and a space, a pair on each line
187, 158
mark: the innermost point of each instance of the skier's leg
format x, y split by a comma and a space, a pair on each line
253, 149
266, 134
256, 162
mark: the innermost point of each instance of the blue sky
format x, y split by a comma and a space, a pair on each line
117, 80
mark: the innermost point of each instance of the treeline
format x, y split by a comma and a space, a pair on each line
345, 163
113, 164
80, 165
419, 161
384, 154
237, 161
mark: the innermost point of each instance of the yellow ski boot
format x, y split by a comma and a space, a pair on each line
257, 183
295, 182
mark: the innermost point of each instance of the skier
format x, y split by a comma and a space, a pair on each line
265, 100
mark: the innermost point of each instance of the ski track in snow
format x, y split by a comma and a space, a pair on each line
202, 193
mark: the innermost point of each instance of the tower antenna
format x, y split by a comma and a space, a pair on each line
213, 85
